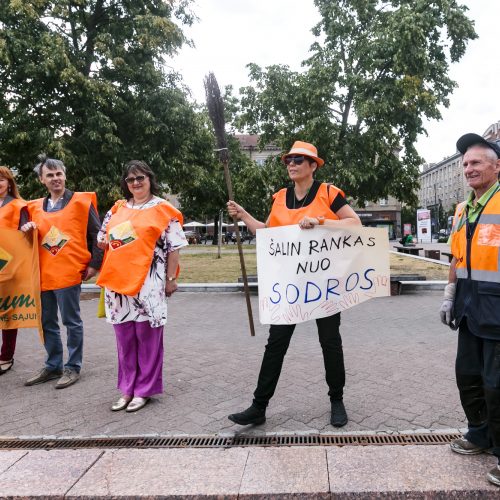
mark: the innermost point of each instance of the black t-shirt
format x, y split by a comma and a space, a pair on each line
292, 201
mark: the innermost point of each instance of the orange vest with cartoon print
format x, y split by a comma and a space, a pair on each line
10, 214
320, 206
478, 269
132, 235
63, 251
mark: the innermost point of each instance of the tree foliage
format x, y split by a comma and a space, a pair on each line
203, 192
84, 81
377, 70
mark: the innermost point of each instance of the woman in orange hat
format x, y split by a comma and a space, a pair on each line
307, 203
13, 214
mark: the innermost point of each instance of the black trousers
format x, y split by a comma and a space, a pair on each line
477, 371
277, 345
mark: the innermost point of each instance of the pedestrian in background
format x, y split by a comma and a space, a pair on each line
472, 299
308, 203
142, 236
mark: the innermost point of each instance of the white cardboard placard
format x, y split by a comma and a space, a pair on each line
313, 273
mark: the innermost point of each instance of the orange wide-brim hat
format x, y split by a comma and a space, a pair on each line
305, 149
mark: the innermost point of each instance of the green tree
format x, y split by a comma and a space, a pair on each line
377, 70
408, 216
202, 190
84, 81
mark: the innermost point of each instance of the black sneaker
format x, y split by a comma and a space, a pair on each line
339, 415
251, 415
44, 375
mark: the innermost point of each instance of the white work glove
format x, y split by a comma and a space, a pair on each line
446, 310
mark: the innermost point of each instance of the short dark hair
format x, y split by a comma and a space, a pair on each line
135, 167
50, 163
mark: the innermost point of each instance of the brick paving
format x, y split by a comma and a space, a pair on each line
399, 361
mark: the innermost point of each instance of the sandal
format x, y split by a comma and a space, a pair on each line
5, 366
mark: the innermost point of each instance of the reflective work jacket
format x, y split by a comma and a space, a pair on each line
478, 270
320, 206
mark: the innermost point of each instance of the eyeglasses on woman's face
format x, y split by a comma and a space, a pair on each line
137, 178
298, 160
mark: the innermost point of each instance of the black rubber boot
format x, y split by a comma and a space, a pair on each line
339, 415
251, 415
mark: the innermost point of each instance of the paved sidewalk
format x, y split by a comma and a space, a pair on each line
399, 361
364, 472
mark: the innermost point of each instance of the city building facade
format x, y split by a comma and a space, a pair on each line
442, 184
249, 144
384, 213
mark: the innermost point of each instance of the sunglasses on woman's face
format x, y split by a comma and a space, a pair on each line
131, 180
298, 160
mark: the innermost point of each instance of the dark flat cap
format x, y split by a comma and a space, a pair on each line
468, 140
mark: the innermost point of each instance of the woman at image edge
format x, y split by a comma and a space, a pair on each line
13, 214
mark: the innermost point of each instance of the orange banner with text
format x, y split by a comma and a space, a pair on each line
19, 281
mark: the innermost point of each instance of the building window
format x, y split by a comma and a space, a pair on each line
383, 202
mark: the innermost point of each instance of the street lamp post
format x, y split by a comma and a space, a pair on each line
436, 204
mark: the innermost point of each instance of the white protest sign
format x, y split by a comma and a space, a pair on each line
313, 273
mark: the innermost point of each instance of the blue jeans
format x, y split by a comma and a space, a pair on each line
68, 302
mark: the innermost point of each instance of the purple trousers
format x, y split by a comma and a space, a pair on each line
8, 344
140, 358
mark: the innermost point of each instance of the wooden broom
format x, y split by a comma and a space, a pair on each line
215, 106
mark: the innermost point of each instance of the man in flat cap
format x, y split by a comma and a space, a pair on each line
472, 299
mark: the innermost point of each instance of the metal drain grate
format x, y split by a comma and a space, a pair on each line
429, 438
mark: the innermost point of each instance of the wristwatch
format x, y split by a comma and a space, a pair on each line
321, 220
171, 278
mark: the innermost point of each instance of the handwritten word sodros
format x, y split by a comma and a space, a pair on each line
311, 292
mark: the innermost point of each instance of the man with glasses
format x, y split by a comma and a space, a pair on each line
472, 299
307, 203
68, 224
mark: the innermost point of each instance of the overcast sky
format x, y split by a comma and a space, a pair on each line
232, 33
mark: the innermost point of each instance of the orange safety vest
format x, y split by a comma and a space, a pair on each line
10, 214
282, 216
63, 251
484, 254
477, 295
132, 235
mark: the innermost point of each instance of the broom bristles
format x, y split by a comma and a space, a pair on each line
215, 106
